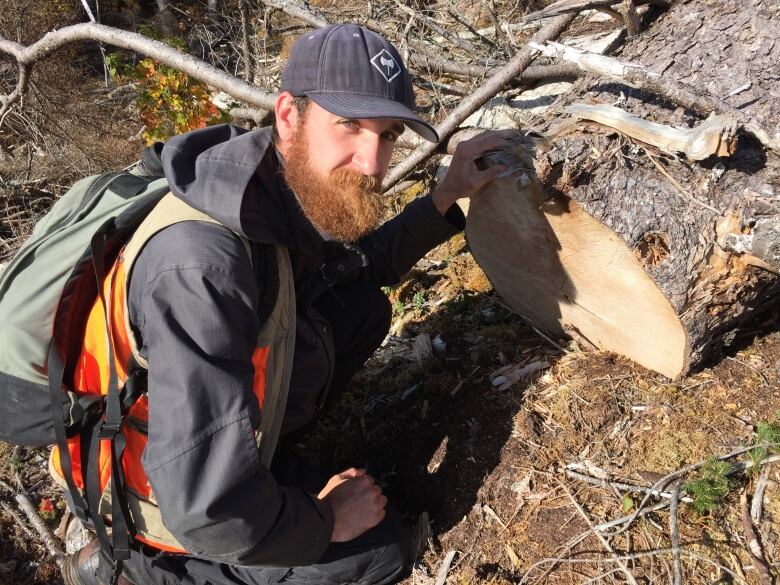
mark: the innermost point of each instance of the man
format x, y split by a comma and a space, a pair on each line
310, 186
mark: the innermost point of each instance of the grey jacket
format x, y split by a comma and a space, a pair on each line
193, 301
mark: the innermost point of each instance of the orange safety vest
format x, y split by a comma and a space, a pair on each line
272, 360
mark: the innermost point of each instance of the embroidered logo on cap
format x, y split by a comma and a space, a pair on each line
386, 65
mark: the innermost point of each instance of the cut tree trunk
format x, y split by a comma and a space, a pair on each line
641, 252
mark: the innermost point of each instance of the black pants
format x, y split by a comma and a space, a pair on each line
359, 314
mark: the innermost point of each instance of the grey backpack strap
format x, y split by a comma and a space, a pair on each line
169, 211
278, 333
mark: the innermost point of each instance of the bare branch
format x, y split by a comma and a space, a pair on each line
576, 6
239, 89
753, 543
467, 106
295, 10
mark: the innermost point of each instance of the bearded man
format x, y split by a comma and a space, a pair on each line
310, 187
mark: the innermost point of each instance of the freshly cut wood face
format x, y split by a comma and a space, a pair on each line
562, 269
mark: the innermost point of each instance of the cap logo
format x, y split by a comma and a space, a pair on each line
386, 65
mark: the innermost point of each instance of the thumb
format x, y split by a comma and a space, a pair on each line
352, 473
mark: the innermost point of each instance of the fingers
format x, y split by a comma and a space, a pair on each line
488, 140
352, 473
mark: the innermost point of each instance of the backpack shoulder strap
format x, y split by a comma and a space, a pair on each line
169, 211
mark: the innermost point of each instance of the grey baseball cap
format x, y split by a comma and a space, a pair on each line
353, 72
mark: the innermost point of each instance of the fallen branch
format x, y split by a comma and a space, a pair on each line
577, 6
622, 486
757, 504
26, 57
467, 106
753, 543
629, 557
678, 92
441, 576
605, 543
292, 8
44, 532
674, 533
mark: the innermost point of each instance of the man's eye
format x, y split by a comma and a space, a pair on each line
348, 123
391, 136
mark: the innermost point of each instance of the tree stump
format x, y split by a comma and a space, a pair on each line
639, 251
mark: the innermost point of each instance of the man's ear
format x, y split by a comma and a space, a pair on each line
287, 116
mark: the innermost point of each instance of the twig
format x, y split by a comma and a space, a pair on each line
753, 544
18, 518
441, 576
756, 370
675, 533
630, 557
467, 106
621, 486
667, 479
604, 541
49, 540
679, 188
758, 495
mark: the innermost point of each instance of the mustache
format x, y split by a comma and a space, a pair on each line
346, 179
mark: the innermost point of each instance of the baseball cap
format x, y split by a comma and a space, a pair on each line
353, 72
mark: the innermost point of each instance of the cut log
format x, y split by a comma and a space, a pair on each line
645, 279
656, 257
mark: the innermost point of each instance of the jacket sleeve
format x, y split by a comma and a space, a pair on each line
195, 312
397, 245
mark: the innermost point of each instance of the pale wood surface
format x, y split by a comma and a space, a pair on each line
559, 267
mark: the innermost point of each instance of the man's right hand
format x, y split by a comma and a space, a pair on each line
357, 503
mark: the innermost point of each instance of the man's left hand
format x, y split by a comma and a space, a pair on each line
464, 177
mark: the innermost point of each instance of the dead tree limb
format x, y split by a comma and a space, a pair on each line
246, 49
296, 10
677, 92
431, 24
753, 543
512, 69
577, 6
604, 542
26, 57
44, 532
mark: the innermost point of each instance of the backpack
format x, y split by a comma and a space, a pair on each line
46, 291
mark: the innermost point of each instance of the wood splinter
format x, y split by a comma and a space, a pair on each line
715, 136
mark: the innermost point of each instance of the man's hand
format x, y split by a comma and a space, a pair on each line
464, 178
357, 502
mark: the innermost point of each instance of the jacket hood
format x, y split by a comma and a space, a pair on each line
231, 174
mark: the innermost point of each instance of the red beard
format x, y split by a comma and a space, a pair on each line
345, 205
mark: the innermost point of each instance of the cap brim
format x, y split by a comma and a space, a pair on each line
369, 106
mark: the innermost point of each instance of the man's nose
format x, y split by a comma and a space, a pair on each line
367, 156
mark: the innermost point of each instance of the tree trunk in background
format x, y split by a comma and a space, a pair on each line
614, 246
169, 25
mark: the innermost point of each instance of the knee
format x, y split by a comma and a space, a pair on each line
389, 566
393, 560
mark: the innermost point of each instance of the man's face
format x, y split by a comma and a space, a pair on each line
336, 165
